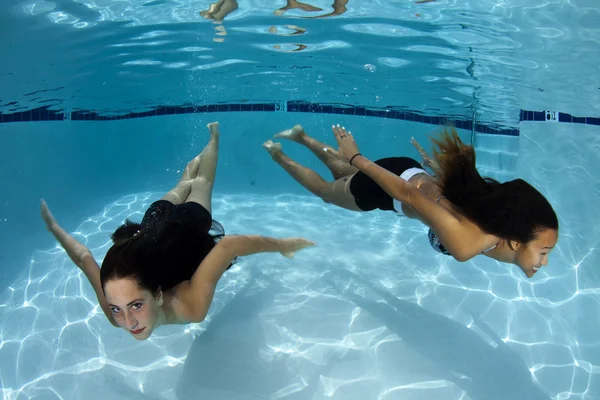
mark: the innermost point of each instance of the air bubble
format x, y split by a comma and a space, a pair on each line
370, 67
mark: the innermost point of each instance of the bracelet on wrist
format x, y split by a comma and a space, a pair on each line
356, 155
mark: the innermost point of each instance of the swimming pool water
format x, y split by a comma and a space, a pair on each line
369, 313
440, 58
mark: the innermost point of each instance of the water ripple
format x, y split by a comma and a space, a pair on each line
521, 54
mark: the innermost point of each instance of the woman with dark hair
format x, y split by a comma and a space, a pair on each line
164, 270
467, 214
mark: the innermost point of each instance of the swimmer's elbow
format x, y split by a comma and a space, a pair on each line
461, 253
196, 317
230, 246
461, 256
197, 320
195, 311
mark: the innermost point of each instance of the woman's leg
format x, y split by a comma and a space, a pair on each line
338, 166
219, 10
202, 184
337, 192
339, 7
292, 4
217, 13
179, 193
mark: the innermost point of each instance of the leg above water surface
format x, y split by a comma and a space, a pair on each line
295, 4
219, 10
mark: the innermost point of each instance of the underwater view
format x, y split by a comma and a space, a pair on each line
300, 200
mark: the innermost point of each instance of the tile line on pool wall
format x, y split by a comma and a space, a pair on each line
46, 114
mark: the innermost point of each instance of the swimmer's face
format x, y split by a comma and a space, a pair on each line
533, 255
134, 308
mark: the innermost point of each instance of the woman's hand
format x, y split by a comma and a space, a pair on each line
288, 246
346, 144
427, 160
47, 216
76, 251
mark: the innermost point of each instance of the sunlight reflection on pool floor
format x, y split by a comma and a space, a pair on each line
371, 312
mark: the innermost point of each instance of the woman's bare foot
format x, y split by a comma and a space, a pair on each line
213, 128
219, 10
295, 134
295, 4
272, 147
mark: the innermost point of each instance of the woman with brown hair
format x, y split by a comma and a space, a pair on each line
165, 269
467, 215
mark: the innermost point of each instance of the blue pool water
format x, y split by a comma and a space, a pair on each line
103, 103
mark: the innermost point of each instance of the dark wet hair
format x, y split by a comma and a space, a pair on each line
149, 254
512, 210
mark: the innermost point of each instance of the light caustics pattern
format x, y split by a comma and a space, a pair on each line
370, 312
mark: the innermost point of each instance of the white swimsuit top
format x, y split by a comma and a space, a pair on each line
433, 239
406, 175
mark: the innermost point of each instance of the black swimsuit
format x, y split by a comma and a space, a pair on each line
179, 235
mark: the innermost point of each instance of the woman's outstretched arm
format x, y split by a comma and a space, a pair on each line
81, 256
463, 239
195, 296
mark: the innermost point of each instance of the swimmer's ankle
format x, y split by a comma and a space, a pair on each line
296, 134
273, 148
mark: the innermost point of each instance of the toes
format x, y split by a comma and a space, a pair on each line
271, 146
291, 134
282, 134
213, 127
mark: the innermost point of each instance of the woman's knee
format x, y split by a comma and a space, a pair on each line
201, 182
179, 193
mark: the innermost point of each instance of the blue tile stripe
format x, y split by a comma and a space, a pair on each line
562, 117
390, 113
46, 114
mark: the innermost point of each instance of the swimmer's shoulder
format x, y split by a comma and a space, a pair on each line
176, 307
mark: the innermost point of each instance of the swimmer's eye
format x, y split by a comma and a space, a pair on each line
136, 306
115, 310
